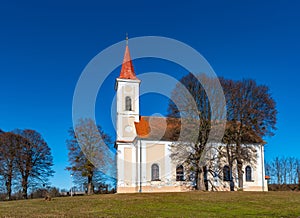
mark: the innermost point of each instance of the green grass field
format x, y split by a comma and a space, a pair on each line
192, 204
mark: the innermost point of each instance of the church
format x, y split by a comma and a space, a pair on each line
143, 148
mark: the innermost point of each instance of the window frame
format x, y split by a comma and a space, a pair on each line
128, 103
180, 175
155, 171
248, 174
226, 175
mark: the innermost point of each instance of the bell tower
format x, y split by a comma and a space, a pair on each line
127, 88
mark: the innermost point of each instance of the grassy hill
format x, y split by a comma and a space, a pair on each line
192, 204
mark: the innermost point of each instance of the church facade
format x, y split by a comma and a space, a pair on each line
144, 162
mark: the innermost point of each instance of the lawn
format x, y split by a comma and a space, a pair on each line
191, 204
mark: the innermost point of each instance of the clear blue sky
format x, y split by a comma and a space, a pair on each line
45, 45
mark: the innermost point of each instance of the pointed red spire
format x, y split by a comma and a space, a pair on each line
127, 71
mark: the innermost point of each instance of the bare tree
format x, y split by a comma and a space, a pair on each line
269, 171
283, 170
248, 152
89, 153
251, 113
191, 103
297, 171
34, 160
250, 108
8, 151
290, 165
278, 170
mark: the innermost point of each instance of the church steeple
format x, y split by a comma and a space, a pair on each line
127, 71
128, 89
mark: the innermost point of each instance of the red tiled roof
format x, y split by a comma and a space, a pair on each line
142, 128
127, 71
158, 128
249, 137
168, 129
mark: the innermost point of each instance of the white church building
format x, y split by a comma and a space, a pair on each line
143, 159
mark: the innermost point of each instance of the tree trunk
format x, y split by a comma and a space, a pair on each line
8, 188
240, 173
200, 180
231, 178
9, 181
239, 166
229, 159
90, 185
298, 181
24, 187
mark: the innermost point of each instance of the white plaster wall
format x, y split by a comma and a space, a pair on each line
127, 87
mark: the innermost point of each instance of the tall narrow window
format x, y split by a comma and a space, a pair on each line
179, 173
226, 173
128, 103
248, 173
155, 172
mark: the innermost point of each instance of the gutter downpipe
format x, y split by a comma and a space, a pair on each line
262, 167
140, 166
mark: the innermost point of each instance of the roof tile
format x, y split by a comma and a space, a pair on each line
127, 71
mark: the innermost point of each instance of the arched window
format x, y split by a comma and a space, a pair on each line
179, 173
226, 173
248, 173
128, 103
155, 172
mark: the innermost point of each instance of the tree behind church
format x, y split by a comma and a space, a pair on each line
191, 103
251, 115
89, 154
251, 111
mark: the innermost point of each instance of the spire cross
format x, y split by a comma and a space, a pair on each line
126, 38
